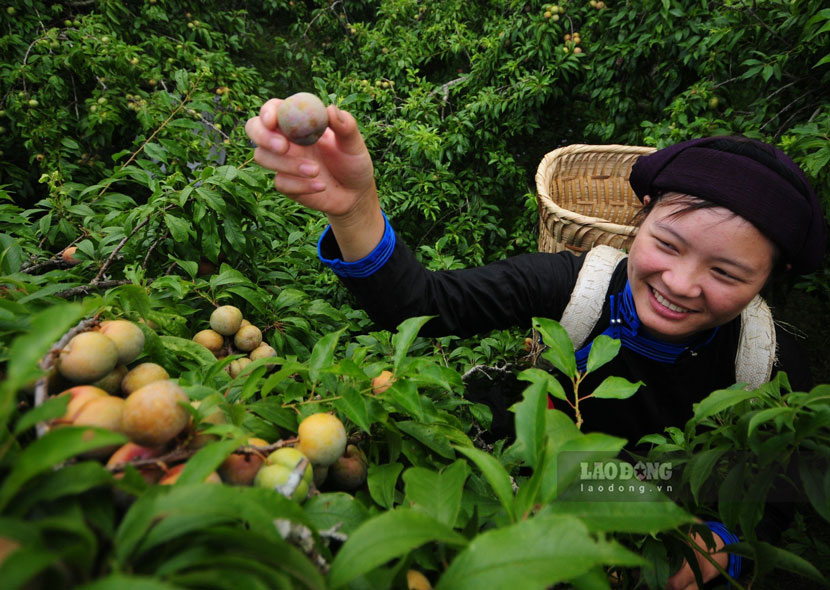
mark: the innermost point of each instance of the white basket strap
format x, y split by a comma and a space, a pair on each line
756, 344
588, 296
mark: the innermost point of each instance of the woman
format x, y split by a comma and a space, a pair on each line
721, 215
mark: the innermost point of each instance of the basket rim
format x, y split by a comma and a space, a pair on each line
548, 205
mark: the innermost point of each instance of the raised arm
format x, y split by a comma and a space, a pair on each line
334, 175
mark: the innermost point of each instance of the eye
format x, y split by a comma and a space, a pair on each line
665, 245
725, 274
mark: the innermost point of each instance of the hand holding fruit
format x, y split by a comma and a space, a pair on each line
333, 175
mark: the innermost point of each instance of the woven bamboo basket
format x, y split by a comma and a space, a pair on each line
585, 198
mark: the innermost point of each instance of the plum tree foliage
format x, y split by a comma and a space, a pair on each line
128, 192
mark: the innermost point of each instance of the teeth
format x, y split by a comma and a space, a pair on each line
665, 302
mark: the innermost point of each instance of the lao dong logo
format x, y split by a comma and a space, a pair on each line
616, 476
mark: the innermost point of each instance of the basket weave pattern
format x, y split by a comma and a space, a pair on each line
585, 198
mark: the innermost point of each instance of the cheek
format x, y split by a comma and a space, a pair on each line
643, 261
728, 302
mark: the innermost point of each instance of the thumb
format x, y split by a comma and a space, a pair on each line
346, 133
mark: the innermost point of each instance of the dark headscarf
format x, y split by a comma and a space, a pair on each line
753, 179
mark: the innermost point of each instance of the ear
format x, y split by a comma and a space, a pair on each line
646, 200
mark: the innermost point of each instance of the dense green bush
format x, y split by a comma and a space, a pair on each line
122, 133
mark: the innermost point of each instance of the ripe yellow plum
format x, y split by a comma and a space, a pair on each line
142, 375
210, 339
263, 351
153, 415
87, 357
247, 338
128, 338
111, 382
382, 382
415, 580
79, 396
237, 366
322, 438
226, 320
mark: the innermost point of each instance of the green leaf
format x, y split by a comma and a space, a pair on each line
326, 511
353, 406
179, 228
595, 579
564, 466
437, 494
404, 394
768, 557
633, 507
495, 474
815, 478
536, 553
764, 416
208, 459
198, 506
561, 350
719, 401
322, 355
23, 565
45, 328
71, 480
155, 151
438, 437
382, 480
50, 450
384, 537
183, 347
701, 467
126, 582
616, 388
530, 421
404, 337
54, 407
603, 349
559, 430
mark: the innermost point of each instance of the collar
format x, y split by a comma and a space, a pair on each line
626, 327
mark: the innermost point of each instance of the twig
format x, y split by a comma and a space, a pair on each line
444, 89
120, 245
181, 454
785, 109
153, 247
86, 289
54, 261
483, 369
719, 84
175, 111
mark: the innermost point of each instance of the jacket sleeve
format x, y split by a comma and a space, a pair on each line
465, 302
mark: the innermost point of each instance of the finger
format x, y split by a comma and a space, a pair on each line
273, 141
346, 133
268, 113
296, 187
286, 165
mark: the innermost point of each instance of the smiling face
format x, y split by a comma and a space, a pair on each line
696, 270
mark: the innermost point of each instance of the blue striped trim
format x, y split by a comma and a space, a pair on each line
735, 561
366, 266
625, 327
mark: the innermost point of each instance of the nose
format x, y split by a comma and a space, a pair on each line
682, 280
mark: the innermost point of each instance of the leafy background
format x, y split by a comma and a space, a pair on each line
122, 132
